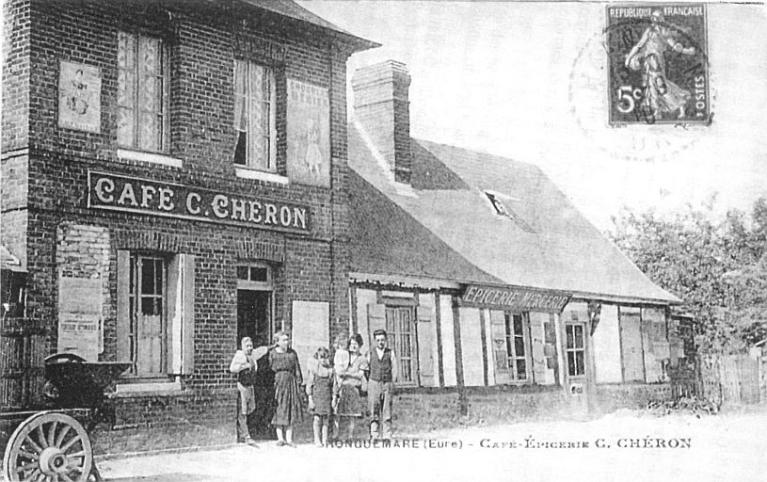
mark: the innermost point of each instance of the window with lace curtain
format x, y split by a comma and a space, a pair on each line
142, 93
254, 116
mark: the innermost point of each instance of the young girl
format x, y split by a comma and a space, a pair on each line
320, 389
340, 362
287, 394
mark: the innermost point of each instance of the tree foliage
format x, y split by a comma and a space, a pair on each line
717, 267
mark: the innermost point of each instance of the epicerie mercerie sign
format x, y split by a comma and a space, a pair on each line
146, 196
513, 299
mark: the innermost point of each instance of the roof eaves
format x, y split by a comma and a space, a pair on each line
292, 10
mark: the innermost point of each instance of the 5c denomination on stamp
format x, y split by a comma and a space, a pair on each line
658, 64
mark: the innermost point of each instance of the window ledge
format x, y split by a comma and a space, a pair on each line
150, 157
245, 173
148, 388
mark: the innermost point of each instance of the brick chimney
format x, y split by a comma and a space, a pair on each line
382, 107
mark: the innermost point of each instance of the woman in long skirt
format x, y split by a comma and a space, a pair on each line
350, 405
287, 392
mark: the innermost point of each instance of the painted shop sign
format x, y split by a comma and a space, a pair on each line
658, 63
513, 299
79, 97
146, 196
308, 133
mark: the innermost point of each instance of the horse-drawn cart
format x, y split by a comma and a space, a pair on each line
54, 444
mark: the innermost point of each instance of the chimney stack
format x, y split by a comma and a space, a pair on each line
382, 106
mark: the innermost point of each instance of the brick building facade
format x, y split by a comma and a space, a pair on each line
161, 189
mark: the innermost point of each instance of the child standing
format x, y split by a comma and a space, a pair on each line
320, 389
340, 363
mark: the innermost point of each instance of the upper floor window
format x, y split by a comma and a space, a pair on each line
142, 93
254, 116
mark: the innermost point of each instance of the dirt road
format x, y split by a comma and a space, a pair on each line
625, 446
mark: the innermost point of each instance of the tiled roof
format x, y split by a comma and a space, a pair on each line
544, 243
388, 240
290, 9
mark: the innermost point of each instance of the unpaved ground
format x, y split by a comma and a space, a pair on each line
626, 446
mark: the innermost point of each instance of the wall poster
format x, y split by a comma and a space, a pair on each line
308, 133
80, 317
80, 97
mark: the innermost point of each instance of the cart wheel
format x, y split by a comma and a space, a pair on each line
48, 446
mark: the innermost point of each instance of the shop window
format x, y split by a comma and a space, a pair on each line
142, 93
575, 349
254, 116
515, 345
147, 301
155, 320
400, 328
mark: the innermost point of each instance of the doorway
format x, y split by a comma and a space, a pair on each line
254, 316
255, 299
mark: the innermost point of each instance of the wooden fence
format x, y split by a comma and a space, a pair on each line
733, 379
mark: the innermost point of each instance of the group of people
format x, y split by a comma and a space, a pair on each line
335, 387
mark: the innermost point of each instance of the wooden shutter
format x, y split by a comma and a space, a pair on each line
425, 334
180, 303
631, 345
550, 345
123, 306
187, 327
376, 320
537, 343
500, 355
175, 313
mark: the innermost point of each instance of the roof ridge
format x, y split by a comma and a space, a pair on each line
478, 151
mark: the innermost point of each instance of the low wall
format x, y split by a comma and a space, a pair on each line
185, 419
610, 397
205, 419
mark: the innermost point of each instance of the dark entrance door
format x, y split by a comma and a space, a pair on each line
254, 319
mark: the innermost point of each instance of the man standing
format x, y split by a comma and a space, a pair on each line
384, 373
244, 365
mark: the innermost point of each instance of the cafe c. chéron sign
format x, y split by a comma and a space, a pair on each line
513, 299
146, 196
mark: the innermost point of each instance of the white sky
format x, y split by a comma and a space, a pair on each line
527, 81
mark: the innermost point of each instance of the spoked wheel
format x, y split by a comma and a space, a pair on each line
50, 447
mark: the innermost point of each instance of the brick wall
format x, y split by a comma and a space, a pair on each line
164, 422
630, 395
381, 104
432, 409
16, 45
44, 193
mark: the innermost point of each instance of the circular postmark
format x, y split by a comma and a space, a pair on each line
639, 89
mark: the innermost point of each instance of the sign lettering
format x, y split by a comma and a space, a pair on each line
146, 196
515, 299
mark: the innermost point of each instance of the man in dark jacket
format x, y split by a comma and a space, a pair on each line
384, 373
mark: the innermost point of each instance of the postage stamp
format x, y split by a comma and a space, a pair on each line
658, 64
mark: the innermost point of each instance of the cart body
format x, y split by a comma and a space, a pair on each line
54, 444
